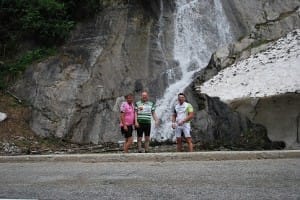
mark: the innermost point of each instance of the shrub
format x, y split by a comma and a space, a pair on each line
11, 70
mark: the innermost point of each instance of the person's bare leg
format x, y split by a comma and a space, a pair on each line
139, 144
179, 144
147, 141
128, 144
125, 145
190, 144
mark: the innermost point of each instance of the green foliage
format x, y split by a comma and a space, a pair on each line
44, 22
39, 24
10, 71
79, 9
47, 21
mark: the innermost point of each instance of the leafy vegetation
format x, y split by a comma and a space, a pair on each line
10, 71
31, 29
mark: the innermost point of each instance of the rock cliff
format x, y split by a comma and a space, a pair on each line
278, 113
128, 47
73, 94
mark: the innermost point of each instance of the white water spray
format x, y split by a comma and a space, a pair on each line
200, 27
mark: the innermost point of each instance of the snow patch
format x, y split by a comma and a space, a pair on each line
271, 72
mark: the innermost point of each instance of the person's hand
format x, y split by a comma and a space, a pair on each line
125, 128
181, 123
173, 125
156, 123
137, 125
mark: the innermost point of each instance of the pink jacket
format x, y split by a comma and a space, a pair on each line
128, 110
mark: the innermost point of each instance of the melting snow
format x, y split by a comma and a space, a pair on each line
273, 71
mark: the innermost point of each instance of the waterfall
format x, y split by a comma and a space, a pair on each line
200, 28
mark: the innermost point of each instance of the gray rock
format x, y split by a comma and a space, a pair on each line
75, 95
280, 114
10, 148
217, 125
280, 18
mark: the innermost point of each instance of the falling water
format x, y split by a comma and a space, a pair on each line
200, 27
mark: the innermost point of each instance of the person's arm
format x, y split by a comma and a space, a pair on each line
122, 116
189, 117
155, 118
174, 120
154, 115
135, 120
136, 123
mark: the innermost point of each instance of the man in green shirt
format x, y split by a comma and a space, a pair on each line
145, 110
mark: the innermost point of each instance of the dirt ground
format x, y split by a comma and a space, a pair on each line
16, 137
16, 123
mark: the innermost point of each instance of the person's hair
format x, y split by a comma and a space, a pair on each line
127, 95
181, 94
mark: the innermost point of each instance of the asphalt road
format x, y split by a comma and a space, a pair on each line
239, 179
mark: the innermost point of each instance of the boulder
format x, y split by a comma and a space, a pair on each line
280, 114
218, 125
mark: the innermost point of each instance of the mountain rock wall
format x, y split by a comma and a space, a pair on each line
257, 23
75, 94
128, 47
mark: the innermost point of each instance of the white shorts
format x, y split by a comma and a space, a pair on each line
185, 128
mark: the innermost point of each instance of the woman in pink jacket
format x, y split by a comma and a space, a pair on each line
127, 117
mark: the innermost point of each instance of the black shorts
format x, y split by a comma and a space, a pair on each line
127, 134
144, 128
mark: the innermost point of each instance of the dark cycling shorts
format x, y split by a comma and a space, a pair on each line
144, 128
127, 134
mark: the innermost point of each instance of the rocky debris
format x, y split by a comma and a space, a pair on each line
10, 148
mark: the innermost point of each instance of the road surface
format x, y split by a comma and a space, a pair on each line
225, 179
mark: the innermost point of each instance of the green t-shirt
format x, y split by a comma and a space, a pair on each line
182, 111
144, 111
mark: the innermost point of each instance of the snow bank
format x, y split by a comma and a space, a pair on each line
273, 71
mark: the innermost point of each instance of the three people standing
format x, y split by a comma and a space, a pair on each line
140, 115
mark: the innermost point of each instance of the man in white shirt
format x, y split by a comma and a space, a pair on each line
182, 114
